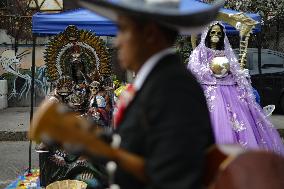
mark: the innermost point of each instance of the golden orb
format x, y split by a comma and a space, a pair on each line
220, 66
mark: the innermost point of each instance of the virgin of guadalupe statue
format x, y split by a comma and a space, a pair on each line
236, 117
78, 70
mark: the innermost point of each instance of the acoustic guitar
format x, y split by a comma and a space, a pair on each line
226, 166
55, 121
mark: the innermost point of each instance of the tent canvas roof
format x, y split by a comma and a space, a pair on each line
197, 4
54, 23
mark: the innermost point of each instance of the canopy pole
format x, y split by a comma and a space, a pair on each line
32, 97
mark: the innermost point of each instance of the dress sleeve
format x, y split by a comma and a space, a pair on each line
198, 65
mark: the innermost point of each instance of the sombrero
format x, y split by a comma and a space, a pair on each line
166, 12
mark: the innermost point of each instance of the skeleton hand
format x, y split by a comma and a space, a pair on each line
227, 66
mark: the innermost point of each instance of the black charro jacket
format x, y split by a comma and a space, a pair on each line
168, 124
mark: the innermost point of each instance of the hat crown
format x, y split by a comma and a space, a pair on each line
175, 14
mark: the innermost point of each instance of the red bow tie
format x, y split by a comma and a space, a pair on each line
124, 99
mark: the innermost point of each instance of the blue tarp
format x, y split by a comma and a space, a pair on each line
54, 23
197, 4
51, 24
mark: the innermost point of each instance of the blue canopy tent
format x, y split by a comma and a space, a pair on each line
54, 23
197, 4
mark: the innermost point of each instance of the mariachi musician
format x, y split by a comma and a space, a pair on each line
163, 142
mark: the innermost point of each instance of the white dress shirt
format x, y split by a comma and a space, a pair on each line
148, 66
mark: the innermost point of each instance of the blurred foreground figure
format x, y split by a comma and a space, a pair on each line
232, 167
163, 142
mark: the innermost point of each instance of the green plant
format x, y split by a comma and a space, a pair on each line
183, 47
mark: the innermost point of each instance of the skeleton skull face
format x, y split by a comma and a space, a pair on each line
64, 91
215, 34
95, 87
76, 57
64, 87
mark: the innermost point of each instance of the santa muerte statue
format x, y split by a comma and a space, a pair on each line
236, 117
78, 65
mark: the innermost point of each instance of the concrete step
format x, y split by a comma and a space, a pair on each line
14, 123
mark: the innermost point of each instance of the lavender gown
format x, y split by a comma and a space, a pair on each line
236, 117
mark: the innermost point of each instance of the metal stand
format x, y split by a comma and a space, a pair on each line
32, 98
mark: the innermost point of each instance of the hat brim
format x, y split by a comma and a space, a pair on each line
175, 18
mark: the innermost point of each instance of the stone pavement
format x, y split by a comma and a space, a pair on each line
14, 160
14, 147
